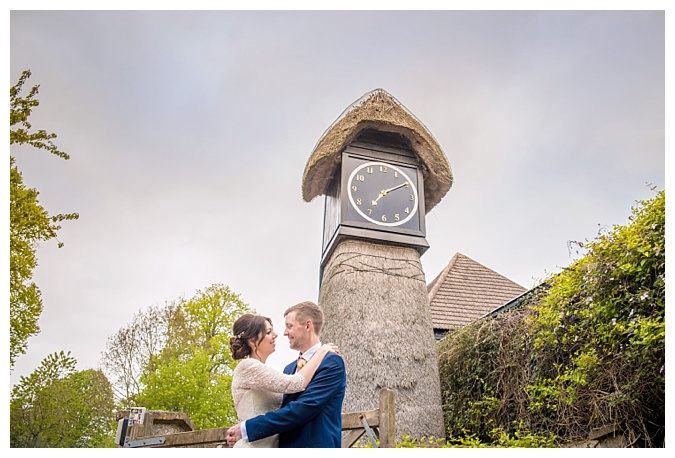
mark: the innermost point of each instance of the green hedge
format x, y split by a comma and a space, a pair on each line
586, 352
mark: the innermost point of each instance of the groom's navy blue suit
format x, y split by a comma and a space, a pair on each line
311, 418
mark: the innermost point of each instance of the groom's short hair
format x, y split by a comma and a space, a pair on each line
308, 311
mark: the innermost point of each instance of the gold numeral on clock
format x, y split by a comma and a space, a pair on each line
407, 210
369, 169
360, 178
358, 201
396, 217
354, 188
412, 197
384, 218
384, 169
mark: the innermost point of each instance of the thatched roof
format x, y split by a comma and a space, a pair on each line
380, 111
465, 291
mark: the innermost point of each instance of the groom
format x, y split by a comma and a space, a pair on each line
311, 418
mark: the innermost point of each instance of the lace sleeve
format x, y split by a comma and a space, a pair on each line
259, 376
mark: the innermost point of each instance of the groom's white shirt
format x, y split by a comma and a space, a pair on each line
307, 355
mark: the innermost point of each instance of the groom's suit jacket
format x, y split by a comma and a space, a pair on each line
311, 418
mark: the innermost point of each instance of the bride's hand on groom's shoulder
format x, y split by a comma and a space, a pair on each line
331, 347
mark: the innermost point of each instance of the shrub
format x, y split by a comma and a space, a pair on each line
587, 352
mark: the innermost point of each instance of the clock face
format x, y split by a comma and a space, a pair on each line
383, 194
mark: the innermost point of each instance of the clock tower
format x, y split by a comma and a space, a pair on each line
381, 171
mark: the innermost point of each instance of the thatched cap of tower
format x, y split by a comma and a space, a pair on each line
380, 111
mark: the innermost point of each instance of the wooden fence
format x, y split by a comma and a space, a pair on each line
172, 429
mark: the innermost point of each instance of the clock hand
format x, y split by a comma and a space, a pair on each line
395, 187
384, 192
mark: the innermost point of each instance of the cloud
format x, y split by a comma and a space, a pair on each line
189, 132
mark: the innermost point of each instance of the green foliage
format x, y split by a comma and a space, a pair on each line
20, 110
191, 387
29, 223
205, 322
423, 442
483, 368
192, 373
586, 353
601, 329
498, 438
57, 406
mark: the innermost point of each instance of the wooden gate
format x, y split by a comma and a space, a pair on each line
175, 429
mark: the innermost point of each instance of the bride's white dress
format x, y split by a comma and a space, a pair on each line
258, 389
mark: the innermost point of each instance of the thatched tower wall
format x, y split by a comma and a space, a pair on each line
375, 302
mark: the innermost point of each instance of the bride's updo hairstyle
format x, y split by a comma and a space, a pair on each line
247, 327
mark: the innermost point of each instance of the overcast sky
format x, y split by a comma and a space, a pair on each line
189, 132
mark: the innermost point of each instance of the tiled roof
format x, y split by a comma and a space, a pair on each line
465, 291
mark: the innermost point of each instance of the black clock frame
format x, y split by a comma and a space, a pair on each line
382, 193
340, 222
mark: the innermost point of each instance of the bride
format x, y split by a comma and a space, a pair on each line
256, 387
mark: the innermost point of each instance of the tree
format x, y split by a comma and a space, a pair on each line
29, 224
57, 406
193, 386
129, 352
177, 358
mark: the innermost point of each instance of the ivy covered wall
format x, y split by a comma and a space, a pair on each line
587, 352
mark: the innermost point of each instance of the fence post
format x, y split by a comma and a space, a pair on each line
387, 418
